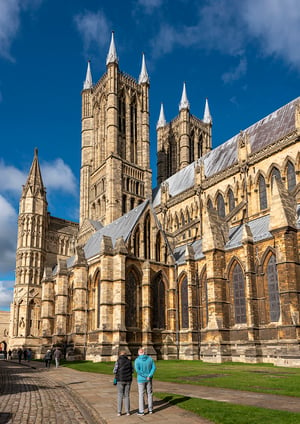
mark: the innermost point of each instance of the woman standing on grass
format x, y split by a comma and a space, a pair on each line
123, 370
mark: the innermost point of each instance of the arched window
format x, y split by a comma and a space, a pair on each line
158, 247
131, 286
124, 203
133, 131
221, 205
184, 304
158, 301
122, 124
263, 204
231, 200
147, 241
209, 204
136, 243
203, 300
291, 176
273, 289
191, 147
239, 295
275, 173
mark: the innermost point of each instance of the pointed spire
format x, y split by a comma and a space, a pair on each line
207, 116
184, 103
34, 178
143, 78
88, 83
112, 53
161, 120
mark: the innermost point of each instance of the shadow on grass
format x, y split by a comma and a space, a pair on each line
167, 401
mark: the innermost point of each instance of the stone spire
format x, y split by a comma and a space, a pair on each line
207, 116
88, 83
143, 78
34, 180
112, 53
161, 120
184, 103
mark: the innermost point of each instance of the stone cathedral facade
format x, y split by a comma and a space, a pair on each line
205, 266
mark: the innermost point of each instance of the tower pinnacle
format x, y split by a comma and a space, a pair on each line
143, 78
207, 116
112, 53
184, 103
88, 83
161, 120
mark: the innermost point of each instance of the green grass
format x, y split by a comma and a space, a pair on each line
261, 378
226, 413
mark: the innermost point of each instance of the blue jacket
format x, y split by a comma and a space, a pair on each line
145, 367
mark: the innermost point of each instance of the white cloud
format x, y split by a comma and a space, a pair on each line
230, 26
10, 11
58, 176
94, 28
8, 235
149, 5
11, 178
6, 294
276, 25
237, 72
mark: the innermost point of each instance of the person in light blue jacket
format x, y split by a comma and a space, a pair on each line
145, 368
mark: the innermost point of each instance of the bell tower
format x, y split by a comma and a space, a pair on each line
115, 159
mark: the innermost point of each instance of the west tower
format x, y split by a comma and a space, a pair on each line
115, 162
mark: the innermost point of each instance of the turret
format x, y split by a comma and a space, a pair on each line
184, 142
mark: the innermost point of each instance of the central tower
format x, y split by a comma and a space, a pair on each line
115, 171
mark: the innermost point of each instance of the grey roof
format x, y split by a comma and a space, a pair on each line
261, 134
122, 227
179, 252
259, 228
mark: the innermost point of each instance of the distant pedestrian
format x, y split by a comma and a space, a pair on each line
57, 356
145, 368
29, 355
20, 353
25, 354
48, 358
9, 354
123, 370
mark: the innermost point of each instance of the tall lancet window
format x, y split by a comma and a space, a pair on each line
239, 295
231, 200
133, 131
158, 302
122, 124
221, 205
131, 287
184, 304
192, 147
262, 193
291, 176
273, 289
147, 241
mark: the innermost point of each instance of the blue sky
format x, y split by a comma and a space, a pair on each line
243, 56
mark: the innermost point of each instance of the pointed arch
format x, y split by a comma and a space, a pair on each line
220, 205
262, 192
147, 236
183, 302
270, 268
132, 298
290, 176
136, 242
238, 291
158, 302
203, 298
230, 200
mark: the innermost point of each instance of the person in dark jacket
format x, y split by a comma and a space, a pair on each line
123, 370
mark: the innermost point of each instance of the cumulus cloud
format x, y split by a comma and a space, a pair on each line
149, 5
57, 175
236, 73
93, 27
10, 11
6, 294
11, 178
8, 235
230, 26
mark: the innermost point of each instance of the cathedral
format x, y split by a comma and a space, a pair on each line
205, 266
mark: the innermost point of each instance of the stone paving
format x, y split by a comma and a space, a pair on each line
32, 394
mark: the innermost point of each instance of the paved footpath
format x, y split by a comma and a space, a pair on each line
33, 394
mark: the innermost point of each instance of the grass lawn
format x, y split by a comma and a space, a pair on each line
263, 378
227, 413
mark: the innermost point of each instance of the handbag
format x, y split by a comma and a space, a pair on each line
115, 381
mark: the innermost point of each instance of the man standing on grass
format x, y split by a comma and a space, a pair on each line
145, 368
